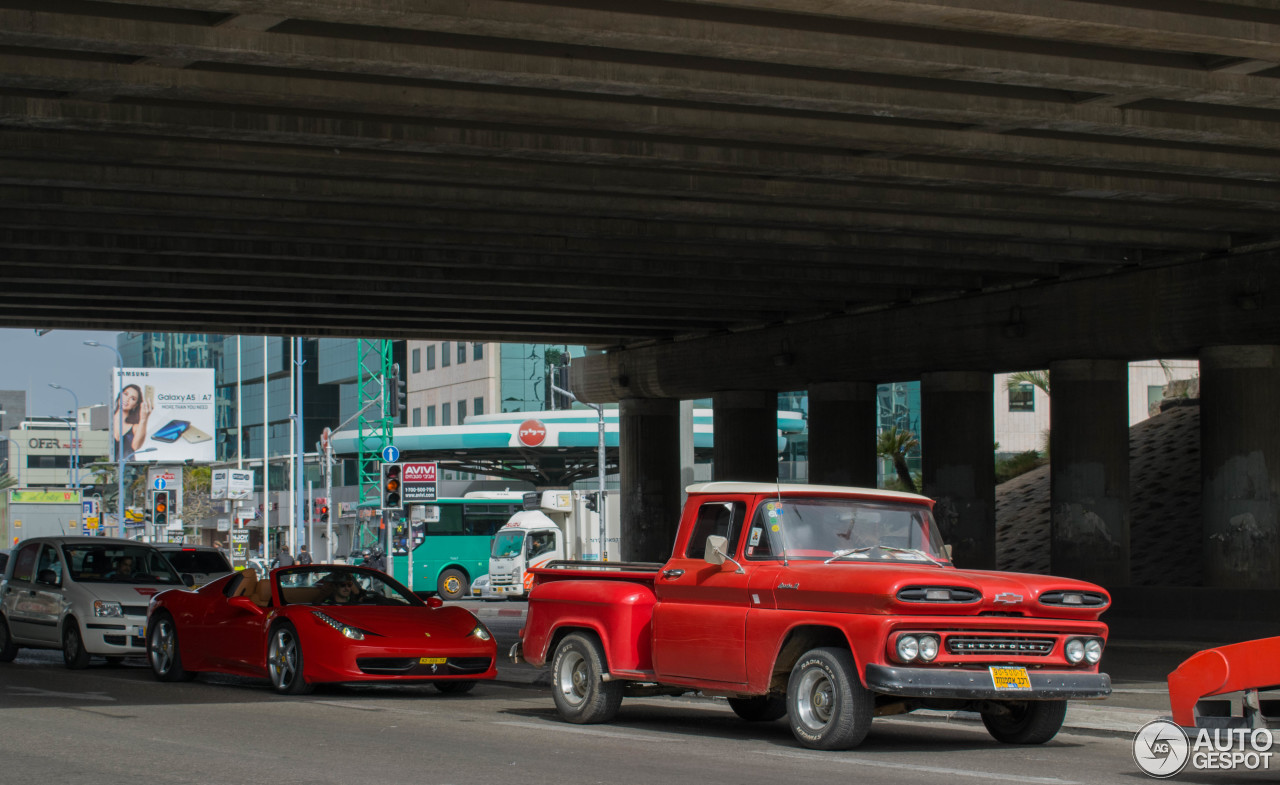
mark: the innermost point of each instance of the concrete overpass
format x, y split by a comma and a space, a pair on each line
732, 197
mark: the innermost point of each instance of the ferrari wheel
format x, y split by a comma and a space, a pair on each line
284, 661
453, 585
8, 649
577, 684
162, 650
74, 655
455, 687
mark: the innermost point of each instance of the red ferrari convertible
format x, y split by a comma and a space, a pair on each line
314, 624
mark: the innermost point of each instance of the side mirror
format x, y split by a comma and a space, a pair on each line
188, 580
245, 604
435, 602
714, 551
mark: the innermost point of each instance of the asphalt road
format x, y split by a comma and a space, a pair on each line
115, 724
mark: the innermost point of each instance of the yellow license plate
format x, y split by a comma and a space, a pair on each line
432, 660
1010, 678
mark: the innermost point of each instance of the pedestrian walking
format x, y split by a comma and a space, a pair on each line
303, 556
283, 559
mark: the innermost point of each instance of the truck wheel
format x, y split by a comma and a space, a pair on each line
452, 585
1025, 722
828, 707
762, 708
579, 693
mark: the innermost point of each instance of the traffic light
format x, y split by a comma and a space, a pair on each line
396, 392
391, 486
593, 503
160, 508
321, 513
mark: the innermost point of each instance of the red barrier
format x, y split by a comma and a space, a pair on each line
1251, 665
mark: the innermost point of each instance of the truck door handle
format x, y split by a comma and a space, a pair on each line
672, 573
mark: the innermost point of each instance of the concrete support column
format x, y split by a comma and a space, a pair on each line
958, 460
842, 434
1089, 471
649, 477
746, 436
1240, 465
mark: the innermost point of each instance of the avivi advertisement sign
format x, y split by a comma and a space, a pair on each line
168, 415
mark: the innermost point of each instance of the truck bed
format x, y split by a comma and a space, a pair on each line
643, 572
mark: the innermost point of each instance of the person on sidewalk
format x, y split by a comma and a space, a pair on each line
303, 556
283, 559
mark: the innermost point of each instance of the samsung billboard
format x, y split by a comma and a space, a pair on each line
168, 415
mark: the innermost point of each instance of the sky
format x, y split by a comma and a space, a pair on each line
30, 362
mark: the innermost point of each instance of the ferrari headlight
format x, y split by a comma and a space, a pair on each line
481, 632
101, 608
347, 630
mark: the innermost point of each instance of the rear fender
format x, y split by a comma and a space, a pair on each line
620, 613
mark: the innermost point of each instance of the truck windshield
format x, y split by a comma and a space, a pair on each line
507, 544
843, 530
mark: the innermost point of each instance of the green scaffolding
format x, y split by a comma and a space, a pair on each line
376, 429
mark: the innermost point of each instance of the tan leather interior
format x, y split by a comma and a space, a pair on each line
262, 594
248, 582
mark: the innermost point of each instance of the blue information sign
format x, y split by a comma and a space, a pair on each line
390, 454
158, 484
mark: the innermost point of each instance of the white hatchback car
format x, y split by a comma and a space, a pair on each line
84, 595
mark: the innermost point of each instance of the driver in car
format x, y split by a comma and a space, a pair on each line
123, 570
344, 591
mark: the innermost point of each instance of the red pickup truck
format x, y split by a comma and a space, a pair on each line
825, 604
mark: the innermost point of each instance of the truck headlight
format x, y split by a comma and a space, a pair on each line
1074, 650
1093, 650
908, 648
101, 608
928, 648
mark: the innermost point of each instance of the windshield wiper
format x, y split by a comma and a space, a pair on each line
889, 548
850, 552
915, 551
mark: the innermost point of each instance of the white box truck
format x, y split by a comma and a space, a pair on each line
554, 525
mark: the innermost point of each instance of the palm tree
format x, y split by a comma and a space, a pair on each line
894, 445
7, 481
1038, 378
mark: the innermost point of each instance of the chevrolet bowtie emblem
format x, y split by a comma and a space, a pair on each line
1008, 598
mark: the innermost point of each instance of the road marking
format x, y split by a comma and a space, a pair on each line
559, 728
914, 767
35, 692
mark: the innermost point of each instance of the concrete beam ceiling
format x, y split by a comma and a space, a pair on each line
642, 177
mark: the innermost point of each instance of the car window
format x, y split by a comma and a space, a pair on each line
48, 567
24, 564
118, 563
198, 561
720, 519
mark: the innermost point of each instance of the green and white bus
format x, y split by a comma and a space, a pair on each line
451, 542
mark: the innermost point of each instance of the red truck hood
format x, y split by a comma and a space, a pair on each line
877, 588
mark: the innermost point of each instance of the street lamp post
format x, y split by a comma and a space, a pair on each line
119, 438
75, 435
